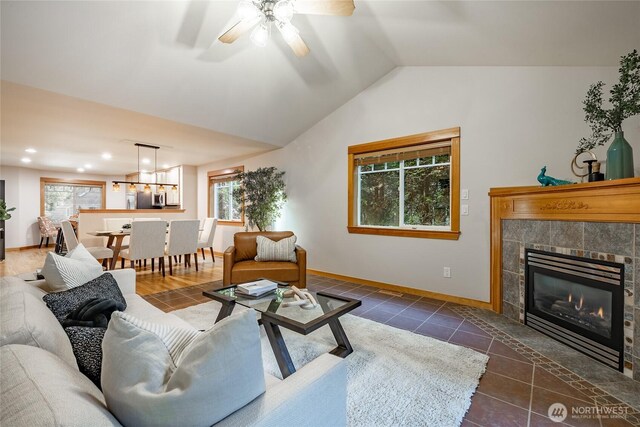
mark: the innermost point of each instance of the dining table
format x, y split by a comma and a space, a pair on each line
114, 242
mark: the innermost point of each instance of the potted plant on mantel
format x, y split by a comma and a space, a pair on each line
625, 103
262, 192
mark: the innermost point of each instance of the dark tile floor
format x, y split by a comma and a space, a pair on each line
519, 384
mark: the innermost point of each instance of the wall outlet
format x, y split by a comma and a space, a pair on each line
447, 272
464, 194
464, 209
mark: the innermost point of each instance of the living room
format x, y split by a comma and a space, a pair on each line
361, 99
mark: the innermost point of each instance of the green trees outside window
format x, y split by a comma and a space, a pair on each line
407, 193
226, 208
63, 200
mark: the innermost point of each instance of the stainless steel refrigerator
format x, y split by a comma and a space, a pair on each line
144, 200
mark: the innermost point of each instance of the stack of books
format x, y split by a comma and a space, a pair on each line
256, 289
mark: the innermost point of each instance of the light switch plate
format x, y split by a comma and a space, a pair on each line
464, 209
464, 194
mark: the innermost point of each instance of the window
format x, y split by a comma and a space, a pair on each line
60, 199
406, 186
222, 204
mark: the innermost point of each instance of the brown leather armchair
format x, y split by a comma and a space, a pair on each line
239, 263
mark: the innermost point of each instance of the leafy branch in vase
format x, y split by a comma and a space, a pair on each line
624, 100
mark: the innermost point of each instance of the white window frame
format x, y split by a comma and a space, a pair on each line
232, 202
402, 168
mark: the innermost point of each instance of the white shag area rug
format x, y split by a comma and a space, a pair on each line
395, 377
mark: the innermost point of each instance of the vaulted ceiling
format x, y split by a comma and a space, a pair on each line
160, 58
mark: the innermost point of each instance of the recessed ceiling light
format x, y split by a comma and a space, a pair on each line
80, 169
87, 166
146, 161
106, 156
31, 150
165, 166
25, 160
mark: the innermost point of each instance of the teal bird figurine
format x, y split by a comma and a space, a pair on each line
549, 180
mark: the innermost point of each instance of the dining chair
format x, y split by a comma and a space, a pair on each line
183, 240
47, 229
71, 241
146, 241
206, 238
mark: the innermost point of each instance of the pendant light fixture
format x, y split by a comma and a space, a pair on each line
147, 185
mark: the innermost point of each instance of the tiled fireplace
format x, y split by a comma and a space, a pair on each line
589, 311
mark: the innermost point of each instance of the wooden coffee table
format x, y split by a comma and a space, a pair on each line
273, 316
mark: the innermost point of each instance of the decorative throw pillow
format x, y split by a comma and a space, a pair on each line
162, 375
282, 250
65, 302
25, 319
87, 348
74, 269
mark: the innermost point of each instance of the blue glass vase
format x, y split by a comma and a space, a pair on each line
619, 158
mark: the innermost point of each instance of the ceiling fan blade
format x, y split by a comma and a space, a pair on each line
325, 7
298, 45
241, 27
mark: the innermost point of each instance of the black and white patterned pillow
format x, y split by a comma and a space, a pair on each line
63, 303
85, 341
87, 348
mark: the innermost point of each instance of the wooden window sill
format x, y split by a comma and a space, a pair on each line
232, 223
401, 232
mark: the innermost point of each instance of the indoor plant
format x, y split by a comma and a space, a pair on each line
625, 102
4, 216
262, 192
4, 212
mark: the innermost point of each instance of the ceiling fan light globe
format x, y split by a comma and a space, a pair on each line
248, 10
288, 31
283, 10
260, 35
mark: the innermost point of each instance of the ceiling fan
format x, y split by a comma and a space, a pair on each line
278, 13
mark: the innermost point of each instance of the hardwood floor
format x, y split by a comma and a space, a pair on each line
516, 389
24, 261
147, 282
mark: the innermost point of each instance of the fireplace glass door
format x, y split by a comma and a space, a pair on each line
583, 306
577, 301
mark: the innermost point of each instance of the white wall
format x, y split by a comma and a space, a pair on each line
513, 120
22, 186
189, 191
224, 233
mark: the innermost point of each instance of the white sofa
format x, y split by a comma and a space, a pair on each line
42, 386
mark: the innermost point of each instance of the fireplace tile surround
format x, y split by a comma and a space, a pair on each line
617, 242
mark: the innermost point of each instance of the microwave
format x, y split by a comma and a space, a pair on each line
158, 200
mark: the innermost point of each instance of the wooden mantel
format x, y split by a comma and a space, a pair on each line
604, 201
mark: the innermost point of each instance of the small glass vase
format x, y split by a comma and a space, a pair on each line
619, 158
